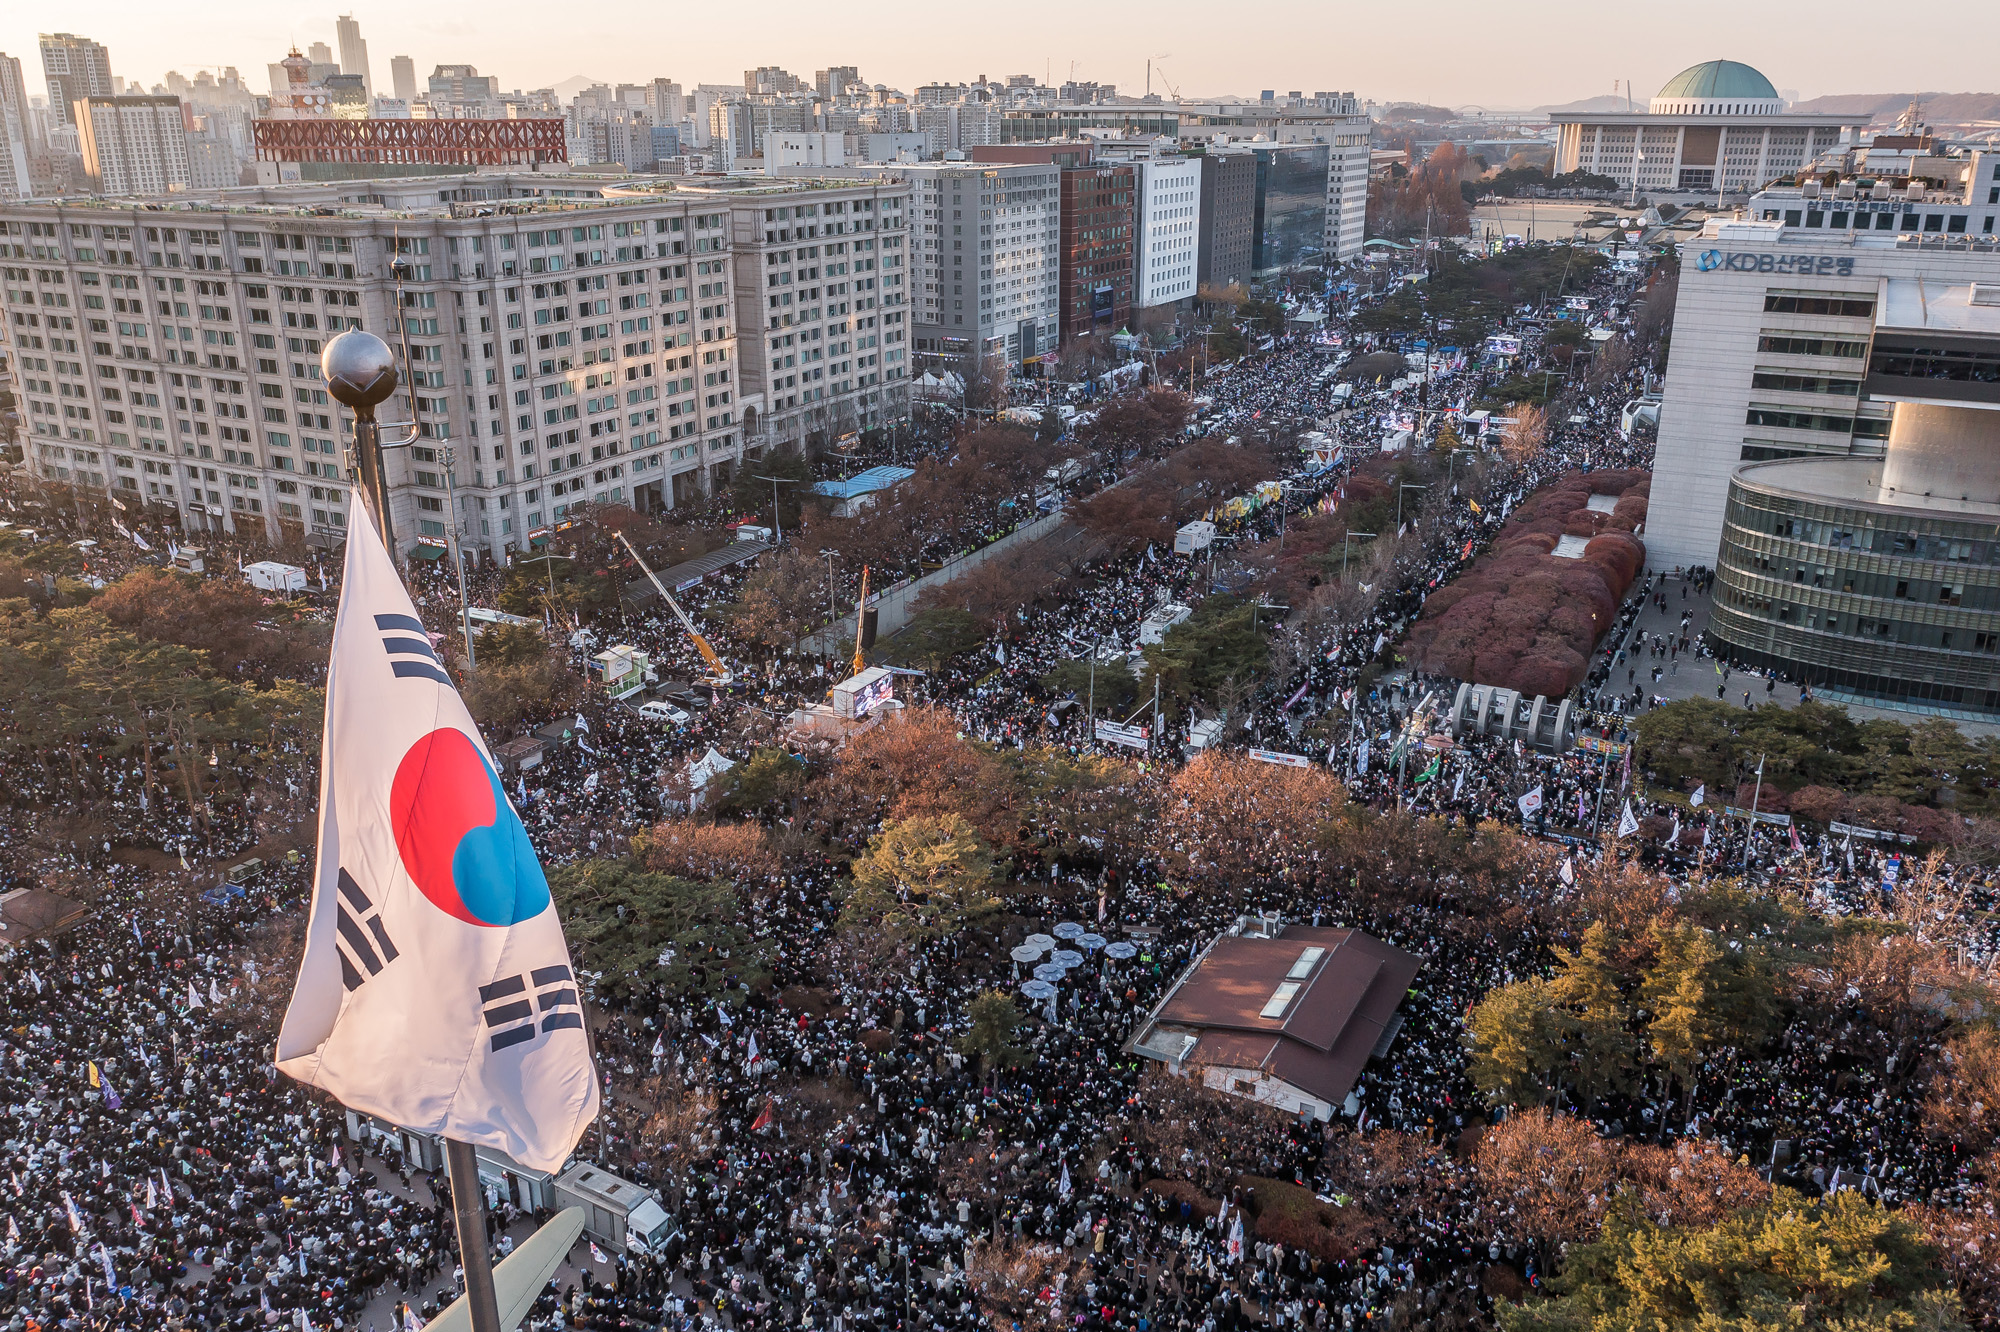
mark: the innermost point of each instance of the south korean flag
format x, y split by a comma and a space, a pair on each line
436, 990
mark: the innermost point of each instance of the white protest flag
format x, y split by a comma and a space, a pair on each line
1530, 802
1700, 794
1628, 822
435, 990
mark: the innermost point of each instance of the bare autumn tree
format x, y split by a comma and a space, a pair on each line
1693, 1183
695, 849
1233, 819
784, 599
1523, 440
1548, 1173
912, 766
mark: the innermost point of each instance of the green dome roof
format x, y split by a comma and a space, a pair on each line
1720, 78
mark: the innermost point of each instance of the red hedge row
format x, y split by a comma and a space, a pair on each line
1522, 619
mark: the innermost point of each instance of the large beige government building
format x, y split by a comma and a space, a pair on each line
1718, 116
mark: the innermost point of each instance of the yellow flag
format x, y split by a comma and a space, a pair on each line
95, 1081
1475, 506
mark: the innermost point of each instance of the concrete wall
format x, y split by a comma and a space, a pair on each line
896, 606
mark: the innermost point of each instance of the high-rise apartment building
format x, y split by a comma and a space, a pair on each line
353, 52
770, 81
15, 127
831, 83
985, 259
75, 68
821, 299
403, 78
570, 350
133, 145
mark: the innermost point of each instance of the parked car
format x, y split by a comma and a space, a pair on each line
660, 710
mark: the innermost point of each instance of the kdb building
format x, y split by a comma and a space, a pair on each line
1831, 431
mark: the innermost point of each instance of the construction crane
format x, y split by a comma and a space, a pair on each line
718, 672
860, 619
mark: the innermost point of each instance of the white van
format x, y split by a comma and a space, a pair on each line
660, 710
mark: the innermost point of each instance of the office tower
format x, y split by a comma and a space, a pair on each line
403, 74
133, 145
353, 52
999, 300
15, 126
831, 83
321, 54
75, 68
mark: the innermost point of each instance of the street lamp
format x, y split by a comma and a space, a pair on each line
776, 535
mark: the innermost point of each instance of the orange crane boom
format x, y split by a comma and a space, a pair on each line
860, 614
708, 654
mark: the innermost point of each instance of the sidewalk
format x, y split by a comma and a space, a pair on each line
1694, 676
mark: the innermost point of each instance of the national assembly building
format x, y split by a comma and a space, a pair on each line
1718, 116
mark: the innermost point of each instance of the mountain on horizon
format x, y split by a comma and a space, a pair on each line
1602, 102
575, 84
1938, 108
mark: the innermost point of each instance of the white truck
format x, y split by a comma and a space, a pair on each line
1154, 628
615, 1210
271, 576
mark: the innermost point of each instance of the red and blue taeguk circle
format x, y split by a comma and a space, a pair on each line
460, 840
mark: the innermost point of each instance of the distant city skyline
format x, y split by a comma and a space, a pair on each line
1539, 55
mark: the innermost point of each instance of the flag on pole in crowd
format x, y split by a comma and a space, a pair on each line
1458, 785
214, 991
69, 1205
1568, 871
194, 997
1797, 846
597, 1254
1581, 813
1628, 822
1700, 794
1848, 846
1361, 760
96, 1080
1673, 839
1063, 1186
1236, 1239
1530, 803
111, 1097
1431, 771
435, 990
765, 1117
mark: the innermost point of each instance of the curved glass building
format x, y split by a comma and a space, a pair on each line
1880, 576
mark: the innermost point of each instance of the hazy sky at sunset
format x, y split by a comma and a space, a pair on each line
1520, 54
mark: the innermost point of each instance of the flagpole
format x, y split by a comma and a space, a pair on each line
360, 372
468, 1205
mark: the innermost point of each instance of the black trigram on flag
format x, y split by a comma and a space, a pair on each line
364, 948
399, 646
554, 998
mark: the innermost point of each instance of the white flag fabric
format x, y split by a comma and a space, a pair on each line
435, 990
1700, 794
1361, 760
1628, 822
1568, 871
1530, 802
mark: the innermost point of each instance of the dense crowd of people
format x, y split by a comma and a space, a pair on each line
848, 1164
